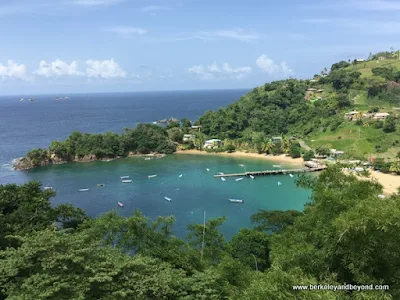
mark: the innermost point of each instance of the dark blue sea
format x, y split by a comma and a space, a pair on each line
27, 125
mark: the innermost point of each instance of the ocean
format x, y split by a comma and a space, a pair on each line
27, 125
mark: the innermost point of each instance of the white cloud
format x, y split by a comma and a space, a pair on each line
128, 31
214, 71
95, 2
267, 65
104, 69
154, 8
58, 68
235, 34
12, 70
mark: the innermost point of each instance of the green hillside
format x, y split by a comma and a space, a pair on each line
314, 111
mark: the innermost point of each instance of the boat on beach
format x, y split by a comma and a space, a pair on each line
236, 201
83, 190
239, 179
152, 176
126, 181
120, 204
168, 199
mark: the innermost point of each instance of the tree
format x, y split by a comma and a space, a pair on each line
389, 125
251, 248
295, 151
275, 220
175, 134
308, 155
323, 151
395, 167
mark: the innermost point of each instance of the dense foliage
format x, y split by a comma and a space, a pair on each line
145, 138
342, 236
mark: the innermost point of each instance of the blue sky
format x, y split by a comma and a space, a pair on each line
65, 46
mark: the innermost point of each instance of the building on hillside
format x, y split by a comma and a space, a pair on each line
336, 153
351, 115
196, 128
276, 139
381, 58
368, 115
188, 137
212, 144
311, 90
359, 60
313, 80
381, 116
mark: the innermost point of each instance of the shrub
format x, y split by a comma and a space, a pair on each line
230, 148
308, 155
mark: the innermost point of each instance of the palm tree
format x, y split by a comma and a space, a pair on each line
269, 145
285, 144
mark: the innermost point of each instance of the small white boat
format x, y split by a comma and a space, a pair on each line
155, 122
208, 170
168, 199
124, 177
251, 176
241, 165
277, 166
83, 190
221, 173
147, 158
22, 100
223, 179
180, 176
126, 181
101, 184
120, 204
239, 179
48, 188
236, 201
291, 175
152, 176
279, 183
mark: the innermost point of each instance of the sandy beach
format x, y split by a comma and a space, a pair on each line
278, 158
389, 182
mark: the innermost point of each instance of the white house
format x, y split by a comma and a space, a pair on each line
381, 116
210, 144
188, 137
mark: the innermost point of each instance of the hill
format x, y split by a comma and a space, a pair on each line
315, 111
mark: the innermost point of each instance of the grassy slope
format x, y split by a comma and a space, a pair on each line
347, 136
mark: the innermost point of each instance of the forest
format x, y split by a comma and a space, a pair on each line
345, 235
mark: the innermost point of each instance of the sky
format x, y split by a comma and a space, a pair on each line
74, 46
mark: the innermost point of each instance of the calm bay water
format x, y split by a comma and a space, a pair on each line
24, 126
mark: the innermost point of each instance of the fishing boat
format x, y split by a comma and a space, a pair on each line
251, 176
152, 176
101, 184
208, 170
124, 177
277, 166
120, 204
223, 179
291, 175
236, 201
239, 179
126, 181
168, 199
83, 190
279, 183
180, 176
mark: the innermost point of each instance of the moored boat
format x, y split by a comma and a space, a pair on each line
126, 181
101, 184
124, 177
180, 176
152, 176
239, 179
236, 201
48, 188
83, 190
168, 199
120, 204
223, 179
291, 175
251, 176
277, 166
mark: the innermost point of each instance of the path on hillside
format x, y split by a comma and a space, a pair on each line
304, 145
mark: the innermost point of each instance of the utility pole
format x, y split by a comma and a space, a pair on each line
204, 232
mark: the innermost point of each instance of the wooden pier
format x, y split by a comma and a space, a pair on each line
273, 172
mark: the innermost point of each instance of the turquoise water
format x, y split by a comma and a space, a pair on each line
197, 190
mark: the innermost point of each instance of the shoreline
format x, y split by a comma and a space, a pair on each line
390, 182
240, 154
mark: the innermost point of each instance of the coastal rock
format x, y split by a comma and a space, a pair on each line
86, 158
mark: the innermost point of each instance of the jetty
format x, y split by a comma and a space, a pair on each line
274, 172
